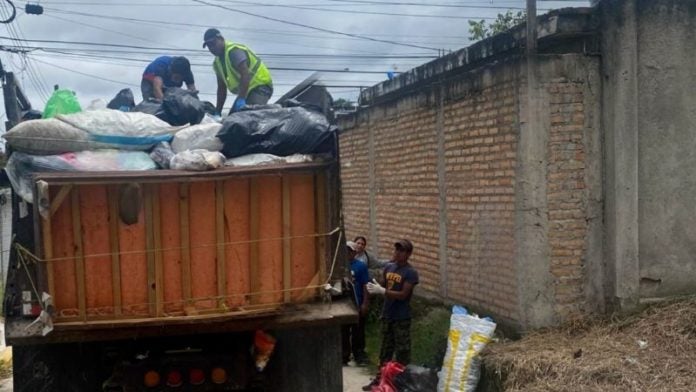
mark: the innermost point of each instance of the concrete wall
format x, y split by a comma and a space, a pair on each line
649, 51
503, 205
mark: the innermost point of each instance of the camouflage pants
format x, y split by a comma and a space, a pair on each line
396, 341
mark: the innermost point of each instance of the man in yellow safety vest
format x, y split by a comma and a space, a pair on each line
239, 70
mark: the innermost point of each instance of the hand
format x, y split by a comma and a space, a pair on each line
239, 103
375, 288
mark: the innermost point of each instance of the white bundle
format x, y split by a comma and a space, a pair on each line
468, 335
198, 137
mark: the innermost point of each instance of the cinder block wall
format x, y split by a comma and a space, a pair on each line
439, 164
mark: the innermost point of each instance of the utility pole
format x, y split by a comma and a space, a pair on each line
531, 27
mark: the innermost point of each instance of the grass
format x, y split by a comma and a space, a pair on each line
429, 329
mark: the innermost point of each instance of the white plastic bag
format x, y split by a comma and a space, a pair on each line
266, 159
468, 336
198, 137
197, 160
21, 167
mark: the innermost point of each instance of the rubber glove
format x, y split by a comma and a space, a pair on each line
375, 288
239, 103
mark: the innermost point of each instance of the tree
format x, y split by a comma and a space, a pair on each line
343, 104
478, 29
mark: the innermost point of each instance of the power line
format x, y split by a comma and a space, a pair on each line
349, 11
315, 28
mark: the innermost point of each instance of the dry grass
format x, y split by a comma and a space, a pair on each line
605, 355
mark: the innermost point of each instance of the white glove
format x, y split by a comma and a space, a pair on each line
375, 288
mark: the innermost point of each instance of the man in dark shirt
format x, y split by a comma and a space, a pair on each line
163, 72
399, 278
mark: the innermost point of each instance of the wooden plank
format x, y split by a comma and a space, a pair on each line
60, 198
149, 176
220, 241
47, 238
321, 226
150, 254
185, 242
157, 241
254, 282
115, 250
287, 244
79, 254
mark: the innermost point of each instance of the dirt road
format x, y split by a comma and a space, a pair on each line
353, 378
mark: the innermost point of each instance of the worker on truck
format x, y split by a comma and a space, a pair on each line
164, 72
239, 70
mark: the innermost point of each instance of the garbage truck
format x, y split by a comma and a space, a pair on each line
168, 280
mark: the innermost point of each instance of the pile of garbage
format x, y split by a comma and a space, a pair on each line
180, 133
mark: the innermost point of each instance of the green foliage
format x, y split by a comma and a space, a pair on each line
343, 104
479, 30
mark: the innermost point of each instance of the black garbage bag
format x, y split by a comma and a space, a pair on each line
209, 108
281, 131
151, 107
32, 114
416, 379
124, 101
182, 107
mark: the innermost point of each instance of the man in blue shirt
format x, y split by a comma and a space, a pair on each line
164, 72
354, 335
399, 278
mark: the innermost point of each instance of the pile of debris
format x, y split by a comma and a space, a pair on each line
651, 351
178, 134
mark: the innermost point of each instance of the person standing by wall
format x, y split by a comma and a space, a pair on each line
399, 279
374, 265
354, 335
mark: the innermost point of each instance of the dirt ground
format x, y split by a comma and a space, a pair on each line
353, 378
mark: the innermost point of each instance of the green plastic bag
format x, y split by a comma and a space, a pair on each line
61, 102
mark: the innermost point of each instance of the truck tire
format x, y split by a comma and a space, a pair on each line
52, 368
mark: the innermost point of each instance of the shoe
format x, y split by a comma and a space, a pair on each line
372, 383
362, 362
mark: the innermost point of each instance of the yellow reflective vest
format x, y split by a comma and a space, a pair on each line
260, 74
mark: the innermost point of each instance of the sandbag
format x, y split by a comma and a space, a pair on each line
50, 136
197, 160
416, 379
21, 167
123, 101
468, 335
61, 102
280, 131
197, 137
182, 107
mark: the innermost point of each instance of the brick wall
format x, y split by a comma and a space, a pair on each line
567, 195
479, 115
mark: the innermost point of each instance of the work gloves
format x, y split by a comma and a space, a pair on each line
375, 288
239, 103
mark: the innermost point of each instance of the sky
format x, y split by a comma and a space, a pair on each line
97, 47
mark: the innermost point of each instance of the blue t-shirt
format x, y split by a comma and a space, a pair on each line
361, 277
394, 277
160, 67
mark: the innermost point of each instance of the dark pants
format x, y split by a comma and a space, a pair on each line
258, 96
147, 90
396, 341
353, 337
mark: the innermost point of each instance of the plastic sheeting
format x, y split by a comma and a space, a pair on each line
468, 335
281, 131
266, 159
198, 137
21, 167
